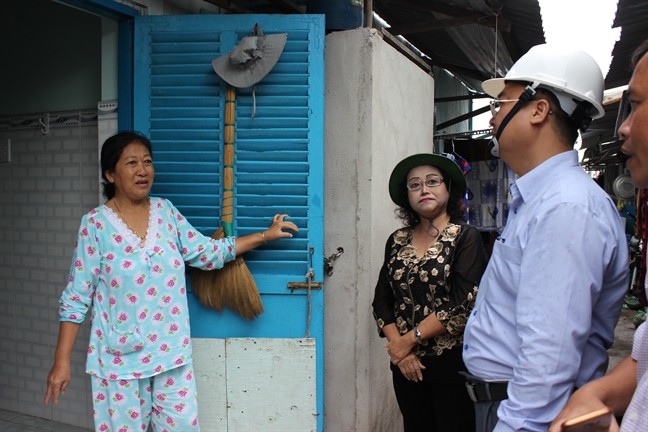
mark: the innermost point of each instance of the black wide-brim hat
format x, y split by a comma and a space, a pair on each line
449, 168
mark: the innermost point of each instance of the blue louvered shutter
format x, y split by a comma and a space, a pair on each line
179, 102
183, 120
273, 159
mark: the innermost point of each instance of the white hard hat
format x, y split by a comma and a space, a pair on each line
567, 74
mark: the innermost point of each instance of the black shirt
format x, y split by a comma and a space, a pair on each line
444, 281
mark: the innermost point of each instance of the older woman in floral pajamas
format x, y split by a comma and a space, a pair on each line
129, 265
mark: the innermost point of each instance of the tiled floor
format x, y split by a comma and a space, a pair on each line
14, 422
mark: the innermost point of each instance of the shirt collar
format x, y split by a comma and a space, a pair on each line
535, 180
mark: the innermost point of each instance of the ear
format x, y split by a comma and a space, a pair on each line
109, 176
541, 111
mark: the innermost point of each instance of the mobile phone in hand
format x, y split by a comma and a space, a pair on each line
595, 421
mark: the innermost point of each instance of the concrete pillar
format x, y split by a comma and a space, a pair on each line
379, 109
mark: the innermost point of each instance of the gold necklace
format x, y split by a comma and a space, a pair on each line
142, 239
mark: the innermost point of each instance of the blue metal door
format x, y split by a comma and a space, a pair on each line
179, 103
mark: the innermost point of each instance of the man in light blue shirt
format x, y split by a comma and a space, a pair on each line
552, 292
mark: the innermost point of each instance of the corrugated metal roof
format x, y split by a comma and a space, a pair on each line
631, 12
527, 25
632, 17
468, 50
446, 51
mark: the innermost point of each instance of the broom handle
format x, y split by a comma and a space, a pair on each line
227, 219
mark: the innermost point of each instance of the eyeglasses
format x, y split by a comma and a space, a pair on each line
416, 183
495, 104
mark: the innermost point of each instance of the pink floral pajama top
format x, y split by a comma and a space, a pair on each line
140, 319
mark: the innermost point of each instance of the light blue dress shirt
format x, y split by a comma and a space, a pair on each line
551, 294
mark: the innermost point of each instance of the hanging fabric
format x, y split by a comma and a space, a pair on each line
488, 194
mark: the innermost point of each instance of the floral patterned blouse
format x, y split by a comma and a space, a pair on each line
444, 280
140, 320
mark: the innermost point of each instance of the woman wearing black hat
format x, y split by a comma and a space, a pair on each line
425, 292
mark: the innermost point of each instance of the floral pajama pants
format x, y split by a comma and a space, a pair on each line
168, 401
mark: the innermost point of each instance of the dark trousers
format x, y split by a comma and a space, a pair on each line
434, 406
486, 413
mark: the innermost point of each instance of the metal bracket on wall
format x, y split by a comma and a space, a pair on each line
330, 261
44, 124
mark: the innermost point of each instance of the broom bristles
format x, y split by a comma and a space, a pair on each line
238, 289
232, 286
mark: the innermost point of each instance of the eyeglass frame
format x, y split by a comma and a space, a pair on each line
438, 181
494, 110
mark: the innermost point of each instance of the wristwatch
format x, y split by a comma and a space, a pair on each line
417, 335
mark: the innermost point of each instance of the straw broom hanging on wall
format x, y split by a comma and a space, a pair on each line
243, 67
233, 285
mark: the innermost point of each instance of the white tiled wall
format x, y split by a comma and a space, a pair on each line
49, 184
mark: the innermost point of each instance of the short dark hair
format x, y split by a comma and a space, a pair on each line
455, 204
563, 125
112, 150
638, 54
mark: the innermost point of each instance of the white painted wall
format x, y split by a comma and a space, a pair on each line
379, 109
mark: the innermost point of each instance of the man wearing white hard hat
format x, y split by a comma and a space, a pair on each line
552, 292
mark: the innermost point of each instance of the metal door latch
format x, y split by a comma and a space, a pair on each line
304, 285
310, 275
330, 261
